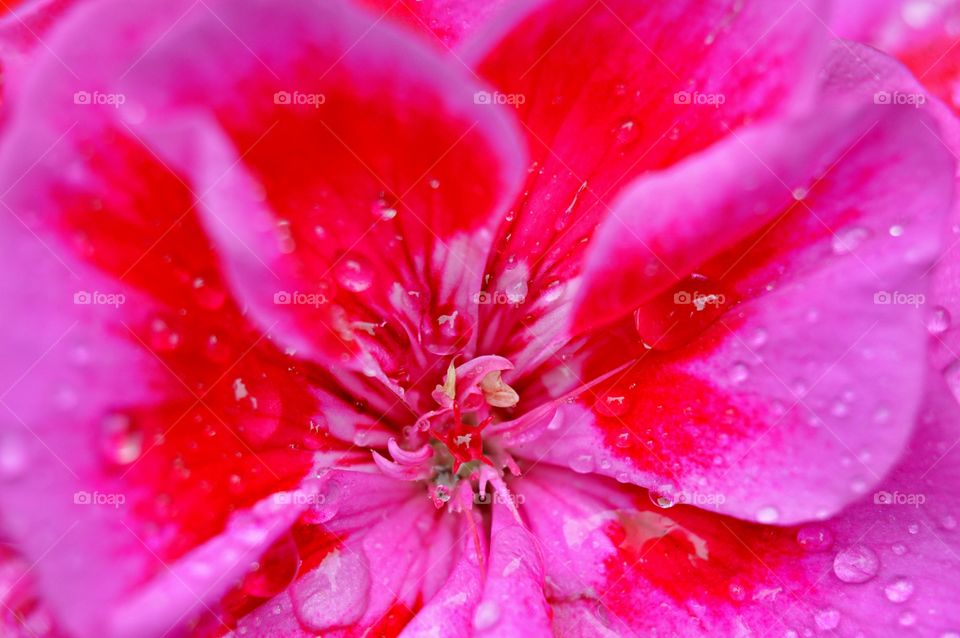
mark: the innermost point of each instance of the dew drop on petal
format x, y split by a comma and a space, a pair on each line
120, 442
582, 464
13, 456
899, 591
767, 515
664, 496
486, 615
827, 619
445, 332
856, 564
612, 404
908, 619
846, 240
737, 590
939, 321
162, 337
739, 373
814, 538
353, 274
206, 295
333, 594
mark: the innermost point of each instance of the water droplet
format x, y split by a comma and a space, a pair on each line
626, 132
353, 274
612, 404
208, 296
827, 619
582, 464
335, 593
486, 615
216, 350
848, 239
13, 456
799, 194
899, 591
446, 332
952, 376
739, 373
899, 549
814, 538
665, 496
856, 564
120, 442
275, 570
948, 522
162, 337
737, 590
257, 410
623, 440
939, 321
908, 619
767, 515
896, 230
758, 338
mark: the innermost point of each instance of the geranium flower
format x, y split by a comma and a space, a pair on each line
561, 319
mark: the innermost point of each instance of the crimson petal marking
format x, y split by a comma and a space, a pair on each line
420, 167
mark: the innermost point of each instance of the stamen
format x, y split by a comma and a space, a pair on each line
497, 393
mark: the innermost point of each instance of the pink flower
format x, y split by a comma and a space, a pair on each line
610, 320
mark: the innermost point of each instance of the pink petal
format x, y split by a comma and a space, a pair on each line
592, 123
622, 566
447, 22
354, 198
513, 601
810, 358
449, 612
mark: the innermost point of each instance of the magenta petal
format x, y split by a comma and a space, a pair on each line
333, 214
449, 612
594, 121
813, 352
513, 603
883, 567
444, 22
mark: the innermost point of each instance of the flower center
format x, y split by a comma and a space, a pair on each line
446, 448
